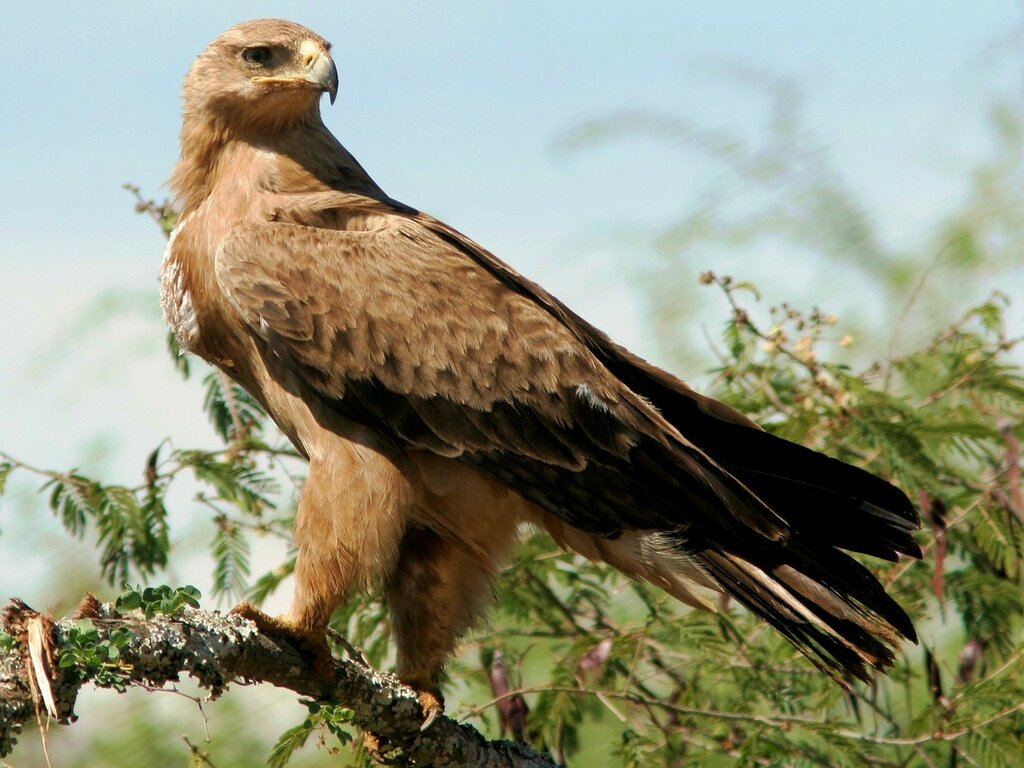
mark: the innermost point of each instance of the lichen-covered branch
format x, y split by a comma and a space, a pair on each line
217, 649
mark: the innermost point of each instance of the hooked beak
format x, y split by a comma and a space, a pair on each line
324, 72
318, 69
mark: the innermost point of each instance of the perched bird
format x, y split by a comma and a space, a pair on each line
443, 400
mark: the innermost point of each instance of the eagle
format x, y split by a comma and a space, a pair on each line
444, 401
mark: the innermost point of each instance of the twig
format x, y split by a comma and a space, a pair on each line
198, 754
776, 721
914, 295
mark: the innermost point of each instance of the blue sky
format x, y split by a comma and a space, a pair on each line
456, 109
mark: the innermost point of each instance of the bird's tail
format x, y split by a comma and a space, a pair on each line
807, 587
803, 583
830, 607
826, 603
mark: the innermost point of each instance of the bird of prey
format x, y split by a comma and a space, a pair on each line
443, 400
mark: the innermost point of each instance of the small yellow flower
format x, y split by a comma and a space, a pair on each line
804, 349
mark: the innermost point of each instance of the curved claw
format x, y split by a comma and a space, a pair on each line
310, 643
432, 705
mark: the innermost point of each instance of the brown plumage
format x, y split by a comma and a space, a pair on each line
442, 399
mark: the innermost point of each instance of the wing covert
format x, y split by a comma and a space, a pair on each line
394, 327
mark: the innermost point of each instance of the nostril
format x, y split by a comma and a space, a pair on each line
309, 51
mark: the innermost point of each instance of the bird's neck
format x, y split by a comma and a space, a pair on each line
304, 157
202, 146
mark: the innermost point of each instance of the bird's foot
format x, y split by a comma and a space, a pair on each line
379, 748
428, 693
311, 643
432, 704
382, 750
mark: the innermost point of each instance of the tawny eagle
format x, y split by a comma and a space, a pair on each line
443, 400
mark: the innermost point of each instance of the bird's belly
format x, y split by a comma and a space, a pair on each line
469, 509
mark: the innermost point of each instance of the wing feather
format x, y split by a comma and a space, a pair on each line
392, 325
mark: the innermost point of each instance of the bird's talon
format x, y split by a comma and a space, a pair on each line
263, 622
432, 705
372, 744
311, 643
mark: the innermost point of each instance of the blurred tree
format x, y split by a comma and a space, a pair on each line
775, 197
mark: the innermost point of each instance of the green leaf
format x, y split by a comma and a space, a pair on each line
85, 627
129, 600
161, 599
266, 584
289, 741
231, 559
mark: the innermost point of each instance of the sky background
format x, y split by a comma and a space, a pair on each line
458, 110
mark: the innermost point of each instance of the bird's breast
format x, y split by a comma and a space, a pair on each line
193, 305
175, 294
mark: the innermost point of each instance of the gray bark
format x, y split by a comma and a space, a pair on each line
217, 649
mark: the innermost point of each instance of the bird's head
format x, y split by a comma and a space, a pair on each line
261, 74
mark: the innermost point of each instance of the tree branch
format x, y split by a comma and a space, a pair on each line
217, 649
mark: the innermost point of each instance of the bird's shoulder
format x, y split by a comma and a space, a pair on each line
357, 286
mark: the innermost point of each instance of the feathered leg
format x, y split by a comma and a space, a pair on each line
436, 592
348, 528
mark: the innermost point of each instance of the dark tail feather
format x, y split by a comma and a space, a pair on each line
823, 498
827, 604
818, 597
812, 491
821, 599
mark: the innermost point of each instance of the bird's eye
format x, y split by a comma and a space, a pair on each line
258, 56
